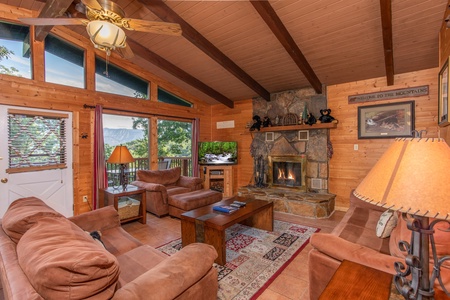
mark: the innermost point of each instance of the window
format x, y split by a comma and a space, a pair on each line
117, 81
15, 50
127, 131
64, 63
175, 144
36, 141
166, 97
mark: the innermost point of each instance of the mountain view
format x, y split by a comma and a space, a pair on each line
117, 136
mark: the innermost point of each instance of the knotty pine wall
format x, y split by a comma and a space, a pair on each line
347, 167
444, 53
241, 114
36, 93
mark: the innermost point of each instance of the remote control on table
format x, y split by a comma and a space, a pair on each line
240, 203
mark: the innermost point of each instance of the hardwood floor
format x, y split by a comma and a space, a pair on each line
292, 283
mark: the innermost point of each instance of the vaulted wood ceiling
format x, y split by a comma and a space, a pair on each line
234, 50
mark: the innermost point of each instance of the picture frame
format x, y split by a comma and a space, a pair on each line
383, 121
443, 109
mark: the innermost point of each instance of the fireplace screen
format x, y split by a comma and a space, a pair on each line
287, 171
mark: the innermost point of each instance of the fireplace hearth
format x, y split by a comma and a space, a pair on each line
287, 172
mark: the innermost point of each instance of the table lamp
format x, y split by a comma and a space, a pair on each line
121, 156
412, 177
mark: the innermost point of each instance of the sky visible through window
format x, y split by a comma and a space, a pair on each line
61, 71
17, 60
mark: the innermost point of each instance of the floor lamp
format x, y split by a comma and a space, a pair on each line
121, 156
412, 177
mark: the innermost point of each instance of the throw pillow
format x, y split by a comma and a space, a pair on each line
23, 213
61, 261
386, 223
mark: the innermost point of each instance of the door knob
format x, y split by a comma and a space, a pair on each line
4, 180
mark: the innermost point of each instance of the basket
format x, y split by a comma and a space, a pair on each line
128, 208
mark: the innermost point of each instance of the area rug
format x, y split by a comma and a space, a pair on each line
254, 257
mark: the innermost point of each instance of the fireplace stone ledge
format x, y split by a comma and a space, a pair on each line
310, 205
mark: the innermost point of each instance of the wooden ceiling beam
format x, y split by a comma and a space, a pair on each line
51, 9
275, 24
386, 23
167, 66
165, 13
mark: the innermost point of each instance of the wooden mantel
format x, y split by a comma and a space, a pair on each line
297, 127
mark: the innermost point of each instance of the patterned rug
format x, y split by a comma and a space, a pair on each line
254, 257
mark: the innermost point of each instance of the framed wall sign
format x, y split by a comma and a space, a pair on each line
443, 119
386, 120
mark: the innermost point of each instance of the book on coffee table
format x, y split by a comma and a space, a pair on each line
225, 208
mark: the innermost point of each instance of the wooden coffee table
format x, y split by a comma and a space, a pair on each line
204, 225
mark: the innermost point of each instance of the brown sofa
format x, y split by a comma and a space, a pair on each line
160, 184
44, 255
355, 239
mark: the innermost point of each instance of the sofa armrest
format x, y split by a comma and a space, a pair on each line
101, 219
150, 187
341, 249
172, 276
189, 182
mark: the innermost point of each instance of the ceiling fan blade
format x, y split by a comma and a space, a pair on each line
125, 52
92, 4
153, 26
53, 21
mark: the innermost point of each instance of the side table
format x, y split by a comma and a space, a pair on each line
355, 281
112, 196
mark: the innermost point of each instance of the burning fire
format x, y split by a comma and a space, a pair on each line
281, 175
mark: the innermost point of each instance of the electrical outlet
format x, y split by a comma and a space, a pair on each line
355, 147
85, 198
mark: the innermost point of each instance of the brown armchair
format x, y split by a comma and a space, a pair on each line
160, 184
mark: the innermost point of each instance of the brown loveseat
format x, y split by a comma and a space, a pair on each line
44, 255
355, 239
160, 184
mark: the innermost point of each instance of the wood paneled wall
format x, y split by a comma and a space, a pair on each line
444, 54
37, 93
241, 114
348, 167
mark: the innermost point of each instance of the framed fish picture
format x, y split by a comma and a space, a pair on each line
386, 120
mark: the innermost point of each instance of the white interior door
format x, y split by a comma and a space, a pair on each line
54, 187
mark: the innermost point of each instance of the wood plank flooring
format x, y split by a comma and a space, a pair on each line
292, 283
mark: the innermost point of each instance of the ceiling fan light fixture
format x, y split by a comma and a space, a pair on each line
106, 36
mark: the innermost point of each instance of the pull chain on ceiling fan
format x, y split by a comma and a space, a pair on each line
104, 23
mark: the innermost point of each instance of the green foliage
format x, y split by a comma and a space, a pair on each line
5, 53
174, 138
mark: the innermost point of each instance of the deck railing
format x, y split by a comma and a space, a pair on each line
143, 164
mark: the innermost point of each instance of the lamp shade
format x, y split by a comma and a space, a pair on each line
120, 155
105, 35
411, 177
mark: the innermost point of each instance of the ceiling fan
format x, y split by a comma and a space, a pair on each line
104, 23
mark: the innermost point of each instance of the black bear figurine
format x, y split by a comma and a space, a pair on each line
325, 116
311, 119
256, 123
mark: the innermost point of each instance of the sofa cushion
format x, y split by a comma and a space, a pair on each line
164, 177
387, 222
62, 262
176, 190
24, 213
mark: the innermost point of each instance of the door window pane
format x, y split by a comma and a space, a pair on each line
15, 50
64, 63
118, 81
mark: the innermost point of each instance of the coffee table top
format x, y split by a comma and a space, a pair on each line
220, 220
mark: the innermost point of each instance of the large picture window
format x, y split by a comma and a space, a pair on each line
36, 141
15, 50
64, 63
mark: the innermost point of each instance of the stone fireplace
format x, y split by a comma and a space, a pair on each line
287, 172
291, 166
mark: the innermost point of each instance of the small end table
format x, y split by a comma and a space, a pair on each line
112, 196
